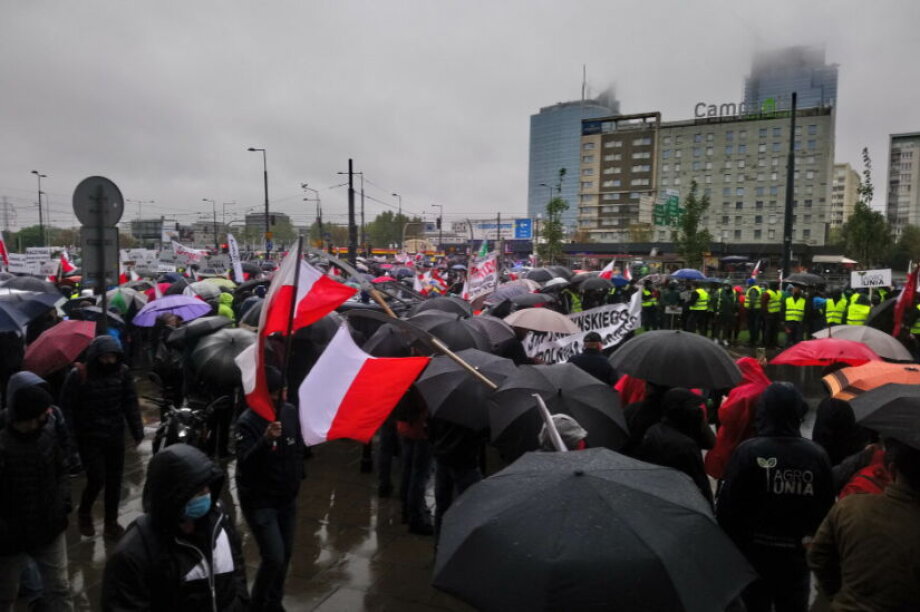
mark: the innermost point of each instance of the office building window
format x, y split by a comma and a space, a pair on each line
709, 151
587, 171
757, 234
812, 129
639, 142
798, 130
666, 140
762, 132
762, 148
709, 137
729, 136
587, 185
665, 181
634, 195
666, 154
772, 219
777, 132
773, 176
678, 153
587, 159
808, 203
697, 165
810, 159
639, 181
771, 234
739, 191
758, 204
741, 163
797, 145
742, 149
739, 205
613, 144
726, 192
697, 151
758, 191
776, 147
677, 167
724, 219
613, 157
641, 155
774, 161
707, 179
728, 149
641, 168
588, 146
677, 180
738, 219
806, 233
727, 178
737, 234
812, 144
810, 174
761, 162
709, 165
697, 138
742, 134
611, 196
758, 219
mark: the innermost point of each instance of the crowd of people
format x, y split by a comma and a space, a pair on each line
843, 506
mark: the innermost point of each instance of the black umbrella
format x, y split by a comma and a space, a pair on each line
561, 272
12, 319
541, 275
196, 328
456, 332
4, 276
676, 359
252, 314
451, 394
533, 299
882, 316
497, 331
94, 313
250, 285
177, 288
449, 304
390, 341
805, 278
892, 410
506, 292
33, 305
595, 284
567, 389
214, 357
587, 530
250, 268
582, 277
29, 283
734, 259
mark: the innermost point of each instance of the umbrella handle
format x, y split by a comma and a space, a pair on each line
550, 425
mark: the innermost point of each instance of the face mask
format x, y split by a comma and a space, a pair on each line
107, 369
197, 507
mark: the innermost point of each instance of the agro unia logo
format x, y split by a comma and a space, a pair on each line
786, 482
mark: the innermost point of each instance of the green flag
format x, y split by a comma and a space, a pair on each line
484, 249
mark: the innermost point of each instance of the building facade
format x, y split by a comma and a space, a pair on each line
739, 162
844, 194
555, 142
903, 202
776, 74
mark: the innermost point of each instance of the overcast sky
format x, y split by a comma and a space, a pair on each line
431, 98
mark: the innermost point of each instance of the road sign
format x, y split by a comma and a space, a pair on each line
97, 242
523, 229
97, 201
268, 245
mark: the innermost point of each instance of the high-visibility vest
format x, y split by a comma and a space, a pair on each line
574, 301
776, 301
648, 299
915, 328
857, 313
752, 297
795, 308
702, 300
882, 294
834, 311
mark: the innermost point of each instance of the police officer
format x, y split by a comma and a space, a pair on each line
698, 307
571, 300
754, 314
859, 309
649, 307
835, 308
794, 309
772, 306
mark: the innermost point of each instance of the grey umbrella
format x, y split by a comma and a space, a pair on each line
497, 331
214, 357
676, 359
446, 304
587, 530
885, 345
541, 275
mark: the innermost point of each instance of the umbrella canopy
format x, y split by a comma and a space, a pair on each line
198, 328
182, 305
139, 285
497, 331
567, 389
33, 305
805, 278
540, 275
848, 383
123, 298
29, 283
250, 268
561, 272
555, 284
892, 410
452, 394
202, 289
583, 276
220, 281
250, 285
177, 287
587, 530
6, 276
458, 267
506, 292
11, 317
596, 284
734, 259
533, 299
541, 319
94, 313
57, 347
454, 331
251, 317
384, 279
886, 346
824, 352
688, 274
882, 316
390, 341
449, 304
214, 357
677, 359
170, 277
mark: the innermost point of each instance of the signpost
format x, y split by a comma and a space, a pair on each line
523, 229
98, 204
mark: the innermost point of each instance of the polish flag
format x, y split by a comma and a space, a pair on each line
349, 393
627, 272
607, 272
755, 271
4, 254
905, 301
66, 266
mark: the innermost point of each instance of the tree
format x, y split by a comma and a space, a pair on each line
553, 231
30, 236
125, 241
387, 228
692, 242
866, 234
907, 248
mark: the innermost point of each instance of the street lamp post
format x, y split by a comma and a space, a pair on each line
268, 233
41, 218
319, 212
398, 215
214, 212
440, 223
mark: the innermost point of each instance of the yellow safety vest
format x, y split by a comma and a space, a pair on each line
648, 299
575, 304
702, 300
776, 301
834, 311
882, 294
857, 314
752, 297
795, 308
915, 328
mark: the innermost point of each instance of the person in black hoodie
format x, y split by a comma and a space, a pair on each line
677, 441
98, 398
34, 495
183, 553
776, 491
642, 415
269, 470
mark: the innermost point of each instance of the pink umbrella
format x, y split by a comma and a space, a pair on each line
384, 279
58, 346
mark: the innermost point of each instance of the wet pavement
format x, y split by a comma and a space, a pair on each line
351, 551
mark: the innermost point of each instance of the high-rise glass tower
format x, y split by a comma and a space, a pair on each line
555, 142
776, 74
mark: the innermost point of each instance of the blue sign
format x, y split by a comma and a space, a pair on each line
523, 229
269, 245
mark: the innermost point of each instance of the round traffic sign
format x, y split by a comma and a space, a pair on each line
97, 202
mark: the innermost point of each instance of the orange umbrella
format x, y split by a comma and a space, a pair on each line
847, 383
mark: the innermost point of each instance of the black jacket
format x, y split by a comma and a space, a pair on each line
665, 445
34, 486
266, 473
777, 485
595, 363
836, 430
455, 445
156, 567
96, 405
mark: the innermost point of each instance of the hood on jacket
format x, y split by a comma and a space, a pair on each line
780, 410
225, 298
20, 381
174, 475
752, 372
102, 345
681, 409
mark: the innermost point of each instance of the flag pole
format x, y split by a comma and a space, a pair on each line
289, 338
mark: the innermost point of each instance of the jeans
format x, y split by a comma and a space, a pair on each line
783, 585
273, 529
793, 332
104, 462
416, 464
51, 560
450, 483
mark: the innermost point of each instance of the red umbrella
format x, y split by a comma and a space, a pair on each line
384, 279
826, 351
58, 346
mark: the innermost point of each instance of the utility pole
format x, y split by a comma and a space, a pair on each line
41, 219
790, 192
319, 211
352, 230
363, 227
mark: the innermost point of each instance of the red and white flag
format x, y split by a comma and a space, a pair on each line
906, 300
627, 272
607, 272
4, 254
349, 393
755, 271
66, 265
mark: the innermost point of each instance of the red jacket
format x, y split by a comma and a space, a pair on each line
631, 389
871, 479
736, 415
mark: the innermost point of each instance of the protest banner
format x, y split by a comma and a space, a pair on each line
866, 279
612, 321
234, 249
482, 278
20, 264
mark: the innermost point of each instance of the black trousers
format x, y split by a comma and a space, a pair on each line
783, 585
104, 462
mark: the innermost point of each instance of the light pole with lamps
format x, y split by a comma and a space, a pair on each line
41, 218
268, 233
398, 215
214, 211
440, 224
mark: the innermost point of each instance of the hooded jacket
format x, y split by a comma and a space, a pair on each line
267, 473
777, 486
97, 405
34, 486
225, 306
836, 430
736, 415
157, 567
